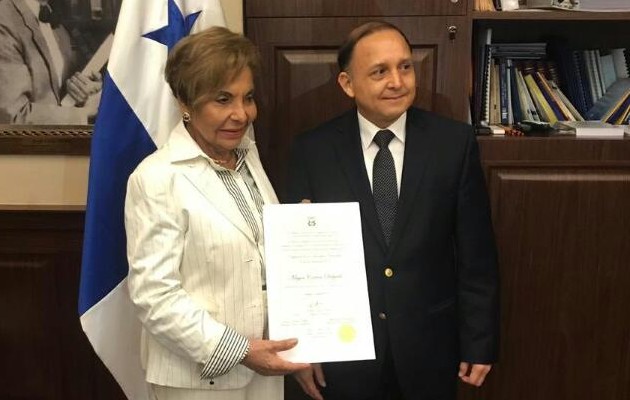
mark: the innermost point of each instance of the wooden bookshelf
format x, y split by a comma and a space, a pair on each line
550, 15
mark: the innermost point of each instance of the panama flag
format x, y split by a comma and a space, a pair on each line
136, 113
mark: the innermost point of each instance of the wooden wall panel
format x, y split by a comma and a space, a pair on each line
562, 224
561, 215
342, 8
45, 354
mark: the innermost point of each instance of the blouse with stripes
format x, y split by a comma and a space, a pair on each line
233, 347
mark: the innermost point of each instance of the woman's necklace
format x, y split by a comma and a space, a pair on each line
224, 163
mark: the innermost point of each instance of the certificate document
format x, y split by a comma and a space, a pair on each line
316, 281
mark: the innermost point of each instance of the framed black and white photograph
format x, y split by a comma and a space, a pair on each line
52, 57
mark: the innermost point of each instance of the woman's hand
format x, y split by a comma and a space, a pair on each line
263, 358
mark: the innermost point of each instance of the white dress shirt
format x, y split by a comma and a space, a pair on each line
397, 146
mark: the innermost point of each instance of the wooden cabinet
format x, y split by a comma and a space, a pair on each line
352, 8
560, 214
45, 354
559, 204
298, 86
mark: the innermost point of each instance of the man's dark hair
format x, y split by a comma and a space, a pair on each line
344, 55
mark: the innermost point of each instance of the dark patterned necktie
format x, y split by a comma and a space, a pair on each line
384, 186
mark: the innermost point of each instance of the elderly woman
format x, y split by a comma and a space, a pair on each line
195, 237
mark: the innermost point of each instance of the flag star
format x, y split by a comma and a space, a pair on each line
178, 26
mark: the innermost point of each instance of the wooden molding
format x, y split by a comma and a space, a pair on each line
71, 140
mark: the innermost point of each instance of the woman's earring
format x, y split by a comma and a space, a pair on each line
186, 116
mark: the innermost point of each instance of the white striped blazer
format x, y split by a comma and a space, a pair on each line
194, 267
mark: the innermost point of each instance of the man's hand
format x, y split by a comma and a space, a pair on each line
475, 375
307, 378
81, 86
263, 357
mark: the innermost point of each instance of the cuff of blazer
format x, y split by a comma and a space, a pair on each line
230, 351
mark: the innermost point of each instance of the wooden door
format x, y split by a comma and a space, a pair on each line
298, 90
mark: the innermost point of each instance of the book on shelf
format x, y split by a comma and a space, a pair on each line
591, 129
483, 5
576, 114
609, 75
544, 109
618, 114
599, 71
527, 51
531, 113
612, 99
494, 112
560, 109
515, 99
503, 91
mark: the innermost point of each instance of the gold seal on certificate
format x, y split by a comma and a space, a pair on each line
316, 281
347, 333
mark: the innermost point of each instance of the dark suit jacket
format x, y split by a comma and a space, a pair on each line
441, 304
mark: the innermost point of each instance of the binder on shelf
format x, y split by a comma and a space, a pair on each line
482, 65
620, 63
569, 74
580, 65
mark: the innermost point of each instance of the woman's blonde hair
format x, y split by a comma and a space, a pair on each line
200, 64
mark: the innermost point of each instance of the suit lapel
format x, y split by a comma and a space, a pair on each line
417, 154
350, 156
186, 155
201, 175
40, 43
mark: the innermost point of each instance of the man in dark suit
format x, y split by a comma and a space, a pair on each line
429, 247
